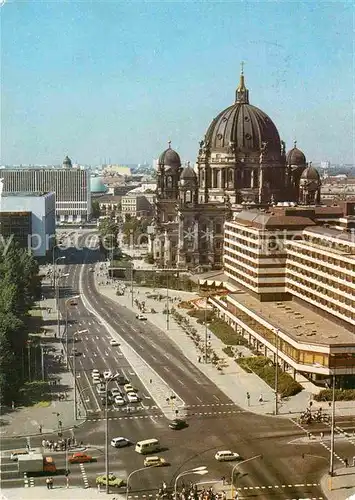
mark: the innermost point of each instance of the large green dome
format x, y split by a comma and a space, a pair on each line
97, 185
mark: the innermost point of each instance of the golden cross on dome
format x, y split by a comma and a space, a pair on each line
242, 66
169, 144
294, 143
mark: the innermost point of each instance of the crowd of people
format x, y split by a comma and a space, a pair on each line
61, 444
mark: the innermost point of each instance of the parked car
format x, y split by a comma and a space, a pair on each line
114, 343
128, 388
119, 401
141, 317
115, 392
79, 458
178, 424
100, 390
132, 397
107, 374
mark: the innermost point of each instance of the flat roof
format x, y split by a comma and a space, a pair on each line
10, 194
297, 321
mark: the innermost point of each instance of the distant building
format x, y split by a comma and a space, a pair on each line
97, 186
136, 205
71, 187
113, 170
36, 232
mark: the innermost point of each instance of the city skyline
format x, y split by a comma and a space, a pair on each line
118, 81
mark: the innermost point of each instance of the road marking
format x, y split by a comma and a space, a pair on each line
84, 475
155, 359
199, 399
97, 337
216, 397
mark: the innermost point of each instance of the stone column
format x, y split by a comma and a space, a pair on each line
167, 249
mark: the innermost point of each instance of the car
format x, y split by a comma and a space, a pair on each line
96, 379
73, 303
132, 397
154, 462
128, 388
226, 455
121, 380
92, 269
141, 317
75, 352
119, 401
113, 481
120, 442
95, 372
107, 374
115, 392
18, 453
114, 343
100, 390
177, 424
79, 458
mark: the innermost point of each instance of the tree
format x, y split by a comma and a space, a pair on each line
95, 209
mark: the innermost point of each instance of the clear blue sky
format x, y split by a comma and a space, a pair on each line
118, 79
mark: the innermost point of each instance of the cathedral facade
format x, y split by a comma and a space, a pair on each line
241, 162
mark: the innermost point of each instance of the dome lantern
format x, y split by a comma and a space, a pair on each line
242, 93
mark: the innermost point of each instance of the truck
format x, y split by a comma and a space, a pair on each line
36, 462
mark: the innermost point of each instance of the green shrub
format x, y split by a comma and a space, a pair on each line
265, 369
340, 395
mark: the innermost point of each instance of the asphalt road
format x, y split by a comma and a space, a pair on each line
282, 473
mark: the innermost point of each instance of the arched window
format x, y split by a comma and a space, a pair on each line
188, 197
169, 182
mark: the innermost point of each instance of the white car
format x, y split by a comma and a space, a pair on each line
132, 397
226, 455
107, 374
141, 317
128, 388
96, 380
101, 390
114, 343
119, 401
115, 392
120, 442
95, 373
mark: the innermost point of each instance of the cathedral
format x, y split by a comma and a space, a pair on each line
241, 163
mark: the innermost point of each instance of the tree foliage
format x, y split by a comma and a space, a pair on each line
19, 284
108, 230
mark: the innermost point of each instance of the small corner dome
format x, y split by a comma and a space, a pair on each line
170, 158
310, 173
295, 157
188, 173
97, 185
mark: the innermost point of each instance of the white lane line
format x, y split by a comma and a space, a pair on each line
216, 397
199, 399
155, 359
92, 391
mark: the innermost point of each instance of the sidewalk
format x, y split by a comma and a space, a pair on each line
232, 380
60, 492
342, 485
26, 421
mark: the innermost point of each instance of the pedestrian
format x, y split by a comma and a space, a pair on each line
51, 483
223, 479
199, 359
261, 398
12, 405
321, 435
346, 462
48, 483
354, 461
40, 429
43, 443
27, 447
248, 398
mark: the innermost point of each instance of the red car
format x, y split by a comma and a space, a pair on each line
79, 458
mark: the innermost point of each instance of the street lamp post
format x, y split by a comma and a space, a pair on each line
57, 297
106, 432
55, 275
331, 464
197, 470
277, 372
131, 474
132, 268
240, 463
66, 326
74, 369
167, 300
206, 331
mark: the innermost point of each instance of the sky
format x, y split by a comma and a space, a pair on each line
116, 80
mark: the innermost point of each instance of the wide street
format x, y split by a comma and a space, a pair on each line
291, 463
